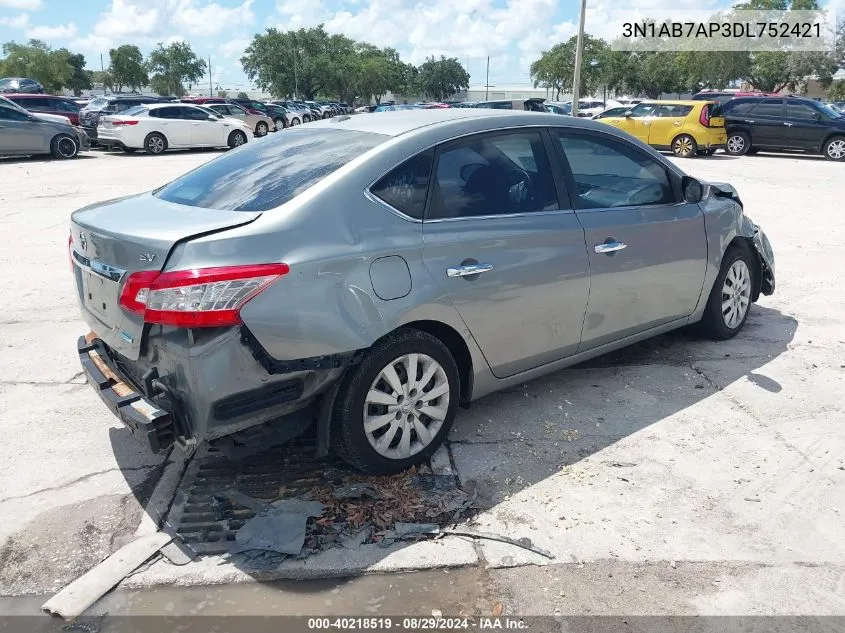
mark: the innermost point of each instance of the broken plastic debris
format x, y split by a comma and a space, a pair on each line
355, 491
281, 528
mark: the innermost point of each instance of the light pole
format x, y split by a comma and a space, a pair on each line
579, 52
487, 80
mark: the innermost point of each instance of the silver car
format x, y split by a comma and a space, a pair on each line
373, 274
25, 133
260, 123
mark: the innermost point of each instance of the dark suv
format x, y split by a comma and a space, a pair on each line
89, 116
47, 104
783, 124
20, 84
724, 97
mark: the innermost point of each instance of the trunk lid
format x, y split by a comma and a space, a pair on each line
111, 240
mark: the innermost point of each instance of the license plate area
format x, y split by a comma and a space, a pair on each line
99, 295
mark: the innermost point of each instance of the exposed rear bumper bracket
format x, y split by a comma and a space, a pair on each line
152, 426
273, 366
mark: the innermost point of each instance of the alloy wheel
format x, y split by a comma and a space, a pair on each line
683, 146
238, 139
736, 144
406, 405
836, 149
736, 294
156, 144
66, 147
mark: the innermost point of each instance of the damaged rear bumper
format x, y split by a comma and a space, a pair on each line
151, 425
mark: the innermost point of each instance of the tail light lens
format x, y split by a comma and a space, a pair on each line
704, 117
70, 250
121, 123
202, 297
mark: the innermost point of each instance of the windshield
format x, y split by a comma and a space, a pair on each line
261, 176
833, 113
97, 103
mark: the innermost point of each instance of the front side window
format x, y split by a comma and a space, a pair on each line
405, 187
65, 106
769, 107
262, 176
801, 111
493, 175
643, 109
609, 173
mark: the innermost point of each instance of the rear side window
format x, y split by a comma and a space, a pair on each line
737, 107
65, 106
674, 111
261, 176
714, 109
406, 186
769, 107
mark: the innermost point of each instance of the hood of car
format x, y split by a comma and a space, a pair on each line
53, 118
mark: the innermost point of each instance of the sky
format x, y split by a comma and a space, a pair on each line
512, 32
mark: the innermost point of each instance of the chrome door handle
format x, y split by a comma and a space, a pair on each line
471, 269
609, 247
787, 124
749, 120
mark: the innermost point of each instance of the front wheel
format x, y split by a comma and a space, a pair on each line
738, 144
294, 121
395, 408
834, 148
280, 123
236, 139
730, 298
684, 146
64, 147
261, 129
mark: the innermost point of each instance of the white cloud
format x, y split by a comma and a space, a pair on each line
18, 22
63, 31
211, 19
25, 5
234, 49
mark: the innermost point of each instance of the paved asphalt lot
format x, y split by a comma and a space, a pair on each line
679, 476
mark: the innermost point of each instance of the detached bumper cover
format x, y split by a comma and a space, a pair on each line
151, 425
767, 259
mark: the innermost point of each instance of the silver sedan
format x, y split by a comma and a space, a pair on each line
371, 275
260, 123
25, 133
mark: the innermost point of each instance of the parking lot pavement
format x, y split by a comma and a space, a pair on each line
676, 459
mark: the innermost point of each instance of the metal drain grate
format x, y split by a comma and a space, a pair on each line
198, 518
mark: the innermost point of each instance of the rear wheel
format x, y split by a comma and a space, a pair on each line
236, 139
684, 146
261, 129
396, 407
64, 146
730, 298
327, 115
738, 144
155, 143
280, 123
306, 118
295, 121
834, 148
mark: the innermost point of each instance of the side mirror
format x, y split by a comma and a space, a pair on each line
692, 189
628, 114
817, 116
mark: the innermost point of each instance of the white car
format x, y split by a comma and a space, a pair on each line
157, 127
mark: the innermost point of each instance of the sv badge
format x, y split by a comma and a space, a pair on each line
147, 257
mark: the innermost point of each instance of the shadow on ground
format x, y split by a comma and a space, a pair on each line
505, 443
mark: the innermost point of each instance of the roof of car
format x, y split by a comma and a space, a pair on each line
34, 94
688, 102
395, 123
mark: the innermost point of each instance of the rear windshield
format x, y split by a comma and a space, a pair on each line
265, 175
715, 109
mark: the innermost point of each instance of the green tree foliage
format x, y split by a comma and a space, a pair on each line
127, 67
103, 77
555, 67
836, 92
52, 68
441, 78
173, 66
243, 95
222, 94
80, 79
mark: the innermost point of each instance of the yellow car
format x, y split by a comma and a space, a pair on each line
686, 128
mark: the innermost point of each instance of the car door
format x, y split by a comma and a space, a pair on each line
666, 124
506, 248
805, 126
171, 123
766, 123
647, 248
638, 122
18, 134
205, 131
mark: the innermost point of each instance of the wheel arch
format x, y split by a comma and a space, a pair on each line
829, 136
747, 243
161, 134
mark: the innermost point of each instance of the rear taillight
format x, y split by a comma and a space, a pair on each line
704, 117
123, 122
70, 250
202, 297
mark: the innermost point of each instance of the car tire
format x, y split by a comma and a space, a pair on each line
834, 148
236, 139
155, 143
261, 129
368, 409
327, 115
306, 118
280, 123
737, 144
730, 298
294, 122
684, 146
64, 146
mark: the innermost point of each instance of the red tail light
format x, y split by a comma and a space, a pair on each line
124, 122
704, 117
70, 250
201, 297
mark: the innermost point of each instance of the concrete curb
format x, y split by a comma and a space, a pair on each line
162, 497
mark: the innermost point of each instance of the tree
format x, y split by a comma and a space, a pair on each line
442, 78
103, 77
222, 94
243, 95
126, 67
836, 92
555, 68
80, 79
286, 63
378, 71
172, 67
35, 59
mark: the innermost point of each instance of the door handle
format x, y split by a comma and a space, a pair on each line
677, 123
470, 269
609, 247
787, 124
749, 120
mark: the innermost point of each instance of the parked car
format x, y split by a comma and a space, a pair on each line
299, 112
784, 124
534, 104
325, 111
260, 124
723, 96
612, 112
157, 127
558, 108
47, 104
20, 85
89, 116
25, 133
203, 100
400, 106
202, 295
686, 128
280, 115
